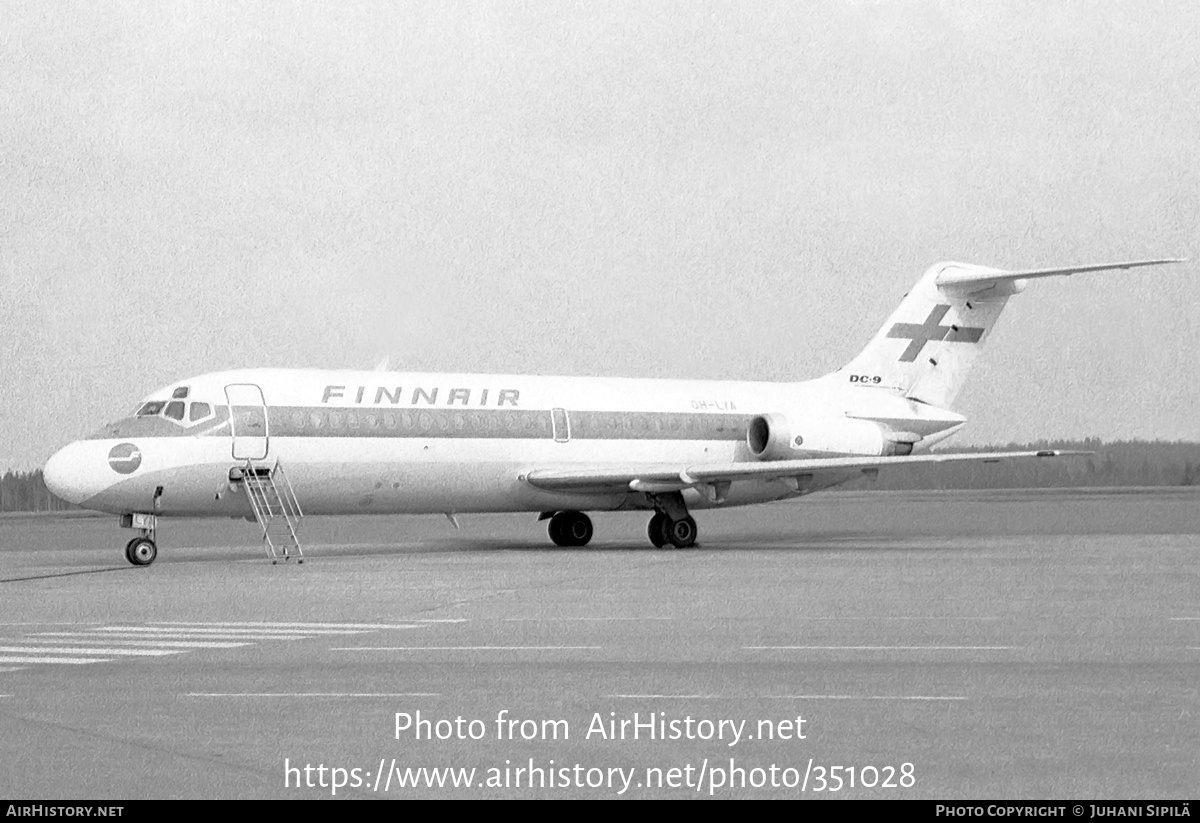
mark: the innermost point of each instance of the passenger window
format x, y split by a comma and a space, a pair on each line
174, 410
199, 411
150, 409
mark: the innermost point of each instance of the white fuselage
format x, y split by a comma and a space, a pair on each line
385, 442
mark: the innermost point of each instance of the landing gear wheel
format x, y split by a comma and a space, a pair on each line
657, 530
141, 551
682, 533
570, 529
579, 530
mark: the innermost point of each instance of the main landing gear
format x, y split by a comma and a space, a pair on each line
679, 533
141, 550
671, 522
570, 529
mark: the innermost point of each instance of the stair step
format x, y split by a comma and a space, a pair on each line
275, 508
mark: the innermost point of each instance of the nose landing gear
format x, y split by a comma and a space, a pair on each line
141, 550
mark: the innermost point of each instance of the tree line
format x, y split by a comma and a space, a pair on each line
27, 492
1119, 463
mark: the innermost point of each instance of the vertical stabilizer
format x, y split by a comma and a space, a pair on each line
927, 347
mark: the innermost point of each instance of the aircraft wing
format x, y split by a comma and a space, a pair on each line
665, 478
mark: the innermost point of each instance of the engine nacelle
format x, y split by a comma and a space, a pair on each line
778, 437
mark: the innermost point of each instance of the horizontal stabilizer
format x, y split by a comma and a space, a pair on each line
659, 478
969, 279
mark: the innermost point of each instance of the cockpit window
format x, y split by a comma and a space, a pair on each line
180, 393
199, 411
174, 410
150, 409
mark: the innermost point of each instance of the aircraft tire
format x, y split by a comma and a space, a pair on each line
554, 527
657, 530
682, 533
141, 551
570, 529
579, 529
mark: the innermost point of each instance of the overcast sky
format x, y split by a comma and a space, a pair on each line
733, 190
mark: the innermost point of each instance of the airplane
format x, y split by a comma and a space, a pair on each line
387, 442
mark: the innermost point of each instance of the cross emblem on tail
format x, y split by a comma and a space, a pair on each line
920, 334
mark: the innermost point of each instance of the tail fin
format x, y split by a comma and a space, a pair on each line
927, 347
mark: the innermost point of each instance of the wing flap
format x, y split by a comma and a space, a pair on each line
660, 478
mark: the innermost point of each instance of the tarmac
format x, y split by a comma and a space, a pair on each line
1023, 645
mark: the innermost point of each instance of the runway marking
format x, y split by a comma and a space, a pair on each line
291, 626
666, 696
99, 643
55, 660
880, 648
576, 619
190, 635
462, 648
60, 637
861, 697
228, 632
312, 694
84, 650
194, 636
784, 697
800, 617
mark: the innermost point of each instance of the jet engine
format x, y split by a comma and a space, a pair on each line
778, 437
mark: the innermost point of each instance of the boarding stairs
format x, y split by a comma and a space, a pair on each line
276, 509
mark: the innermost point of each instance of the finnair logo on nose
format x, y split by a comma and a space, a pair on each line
125, 458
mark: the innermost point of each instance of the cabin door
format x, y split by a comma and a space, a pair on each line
247, 421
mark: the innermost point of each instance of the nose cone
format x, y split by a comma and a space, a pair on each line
71, 474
